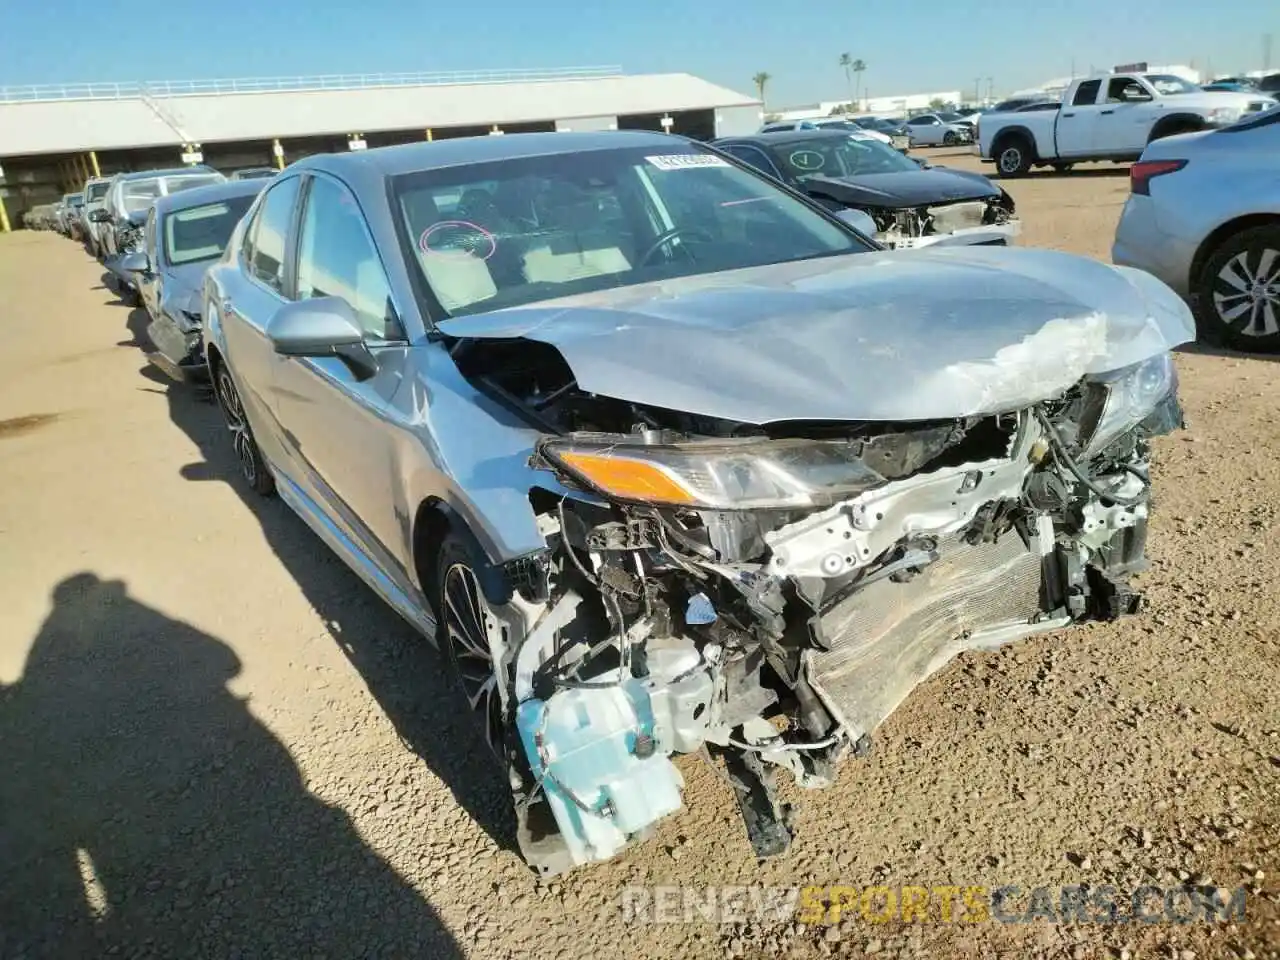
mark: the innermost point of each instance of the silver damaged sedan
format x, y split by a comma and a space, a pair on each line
669, 459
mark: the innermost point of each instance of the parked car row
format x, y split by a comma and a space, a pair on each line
663, 453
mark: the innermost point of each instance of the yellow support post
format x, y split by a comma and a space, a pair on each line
4, 216
93, 158
278, 150
429, 135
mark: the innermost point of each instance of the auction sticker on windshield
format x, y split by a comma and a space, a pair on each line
684, 161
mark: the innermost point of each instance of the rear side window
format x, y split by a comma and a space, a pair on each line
336, 258
1086, 93
271, 234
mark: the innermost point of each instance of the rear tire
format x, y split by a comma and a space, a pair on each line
1013, 156
949, 139
1237, 295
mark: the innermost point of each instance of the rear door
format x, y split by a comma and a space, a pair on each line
340, 431
250, 296
149, 282
1076, 120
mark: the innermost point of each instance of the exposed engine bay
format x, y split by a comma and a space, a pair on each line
767, 594
906, 227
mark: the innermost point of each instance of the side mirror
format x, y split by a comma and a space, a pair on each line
101, 215
1133, 92
859, 220
322, 327
134, 263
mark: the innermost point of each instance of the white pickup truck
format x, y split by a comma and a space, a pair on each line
1110, 117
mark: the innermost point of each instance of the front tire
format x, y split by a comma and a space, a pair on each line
949, 139
1013, 157
252, 467
1237, 295
465, 623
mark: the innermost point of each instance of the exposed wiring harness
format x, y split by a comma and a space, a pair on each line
1072, 466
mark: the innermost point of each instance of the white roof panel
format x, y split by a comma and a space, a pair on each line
77, 125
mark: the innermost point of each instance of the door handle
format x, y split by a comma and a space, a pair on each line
1067, 116
1107, 112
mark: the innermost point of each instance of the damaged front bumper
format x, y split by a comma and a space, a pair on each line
779, 637
997, 234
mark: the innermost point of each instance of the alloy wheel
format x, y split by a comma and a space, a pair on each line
238, 424
468, 624
1010, 160
1246, 292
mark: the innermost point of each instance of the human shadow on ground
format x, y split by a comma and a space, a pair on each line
145, 812
401, 668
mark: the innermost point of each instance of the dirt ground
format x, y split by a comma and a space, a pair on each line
215, 741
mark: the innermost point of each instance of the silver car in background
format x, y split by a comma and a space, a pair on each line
930, 130
95, 198
1204, 217
669, 459
185, 233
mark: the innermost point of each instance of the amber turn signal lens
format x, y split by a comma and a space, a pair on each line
626, 478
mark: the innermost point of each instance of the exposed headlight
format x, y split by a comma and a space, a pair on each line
1121, 399
1225, 114
746, 474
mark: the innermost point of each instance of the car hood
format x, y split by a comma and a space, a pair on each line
908, 188
916, 335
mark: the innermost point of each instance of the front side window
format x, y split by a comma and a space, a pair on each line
98, 190
336, 258
491, 235
202, 233
841, 157
271, 232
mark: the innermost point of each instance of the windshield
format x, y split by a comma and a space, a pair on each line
77, 200
98, 190
139, 194
947, 117
492, 235
202, 233
841, 157
1168, 85
178, 184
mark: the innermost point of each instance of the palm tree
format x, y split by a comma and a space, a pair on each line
846, 61
858, 66
761, 80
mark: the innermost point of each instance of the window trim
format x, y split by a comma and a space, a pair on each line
305, 198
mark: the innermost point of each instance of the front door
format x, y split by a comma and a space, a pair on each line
1123, 124
341, 431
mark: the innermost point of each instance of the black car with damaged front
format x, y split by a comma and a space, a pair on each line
911, 202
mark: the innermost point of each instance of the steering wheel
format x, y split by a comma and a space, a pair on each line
667, 236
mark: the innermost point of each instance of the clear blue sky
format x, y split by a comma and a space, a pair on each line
909, 45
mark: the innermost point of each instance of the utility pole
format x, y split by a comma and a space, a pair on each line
977, 89
991, 88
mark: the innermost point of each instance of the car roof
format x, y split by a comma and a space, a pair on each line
199, 196
790, 136
461, 151
166, 172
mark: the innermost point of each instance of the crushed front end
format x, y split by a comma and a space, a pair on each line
767, 594
986, 221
